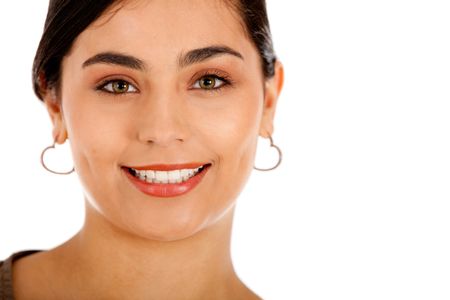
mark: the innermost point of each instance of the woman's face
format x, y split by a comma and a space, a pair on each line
163, 86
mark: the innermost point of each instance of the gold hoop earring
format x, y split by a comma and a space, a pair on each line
51, 171
280, 157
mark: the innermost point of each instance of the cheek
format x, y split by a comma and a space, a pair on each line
96, 137
231, 130
232, 133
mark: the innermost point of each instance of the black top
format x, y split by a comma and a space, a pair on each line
6, 283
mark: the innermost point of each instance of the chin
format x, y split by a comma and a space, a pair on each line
168, 231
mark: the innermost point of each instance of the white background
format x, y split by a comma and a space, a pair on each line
359, 208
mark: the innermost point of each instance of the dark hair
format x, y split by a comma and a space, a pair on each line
66, 19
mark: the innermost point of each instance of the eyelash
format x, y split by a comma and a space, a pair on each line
216, 74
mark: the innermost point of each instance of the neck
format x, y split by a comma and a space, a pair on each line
116, 265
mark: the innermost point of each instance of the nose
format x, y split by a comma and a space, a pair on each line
162, 120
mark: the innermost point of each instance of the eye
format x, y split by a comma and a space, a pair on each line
118, 87
210, 82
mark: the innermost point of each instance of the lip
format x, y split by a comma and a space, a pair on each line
169, 189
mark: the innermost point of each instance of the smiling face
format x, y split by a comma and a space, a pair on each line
156, 85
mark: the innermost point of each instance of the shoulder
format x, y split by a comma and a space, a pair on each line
6, 278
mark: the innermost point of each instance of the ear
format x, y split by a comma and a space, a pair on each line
55, 112
273, 88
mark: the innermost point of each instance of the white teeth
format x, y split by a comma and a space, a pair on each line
161, 176
150, 175
184, 174
174, 176
165, 177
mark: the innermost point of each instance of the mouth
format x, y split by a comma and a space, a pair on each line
166, 180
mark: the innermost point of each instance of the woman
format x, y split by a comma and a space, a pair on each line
163, 103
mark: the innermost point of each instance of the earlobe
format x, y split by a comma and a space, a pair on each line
273, 87
54, 110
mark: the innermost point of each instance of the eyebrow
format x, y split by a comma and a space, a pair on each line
184, 60
115, 58
202, 54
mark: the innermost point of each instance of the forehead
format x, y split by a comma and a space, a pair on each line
164, 28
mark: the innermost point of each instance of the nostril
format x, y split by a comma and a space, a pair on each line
163, 134
154, 141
